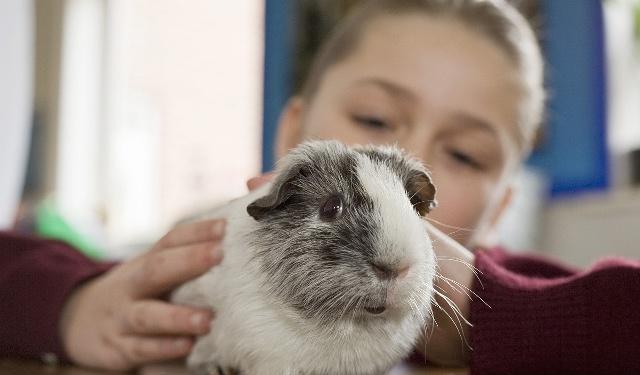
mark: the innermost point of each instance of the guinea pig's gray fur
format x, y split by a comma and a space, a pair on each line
326, 270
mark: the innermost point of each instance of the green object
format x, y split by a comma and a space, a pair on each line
50, 223
636, 21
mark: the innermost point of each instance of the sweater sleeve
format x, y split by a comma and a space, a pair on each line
36, 277
545, 318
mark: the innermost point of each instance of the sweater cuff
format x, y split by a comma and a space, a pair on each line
37, 287
563, 324
516, 331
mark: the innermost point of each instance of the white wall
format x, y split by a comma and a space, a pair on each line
585, 229
16, 70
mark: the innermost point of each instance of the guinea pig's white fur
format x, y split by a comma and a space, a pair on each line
258, 333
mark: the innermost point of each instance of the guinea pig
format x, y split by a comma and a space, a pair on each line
327, 270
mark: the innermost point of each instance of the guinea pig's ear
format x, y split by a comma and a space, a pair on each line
422, 192
282, 189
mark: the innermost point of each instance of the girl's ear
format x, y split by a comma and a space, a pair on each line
289, 133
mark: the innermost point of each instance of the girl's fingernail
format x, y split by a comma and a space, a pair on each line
197, 320
216, 253
218, 228
181, 344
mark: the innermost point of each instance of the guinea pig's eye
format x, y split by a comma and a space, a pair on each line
331, 208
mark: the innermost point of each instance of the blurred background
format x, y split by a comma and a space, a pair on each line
135, 113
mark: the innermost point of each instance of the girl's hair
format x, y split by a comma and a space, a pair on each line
495, 19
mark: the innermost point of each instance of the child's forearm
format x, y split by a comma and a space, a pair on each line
447, 342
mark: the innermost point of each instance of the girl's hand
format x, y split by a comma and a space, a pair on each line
258, 181
118, 321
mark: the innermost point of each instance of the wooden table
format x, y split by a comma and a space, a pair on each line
18, 367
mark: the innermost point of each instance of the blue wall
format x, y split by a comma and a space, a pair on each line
278, 45
574, 154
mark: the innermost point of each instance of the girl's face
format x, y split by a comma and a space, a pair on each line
433, 87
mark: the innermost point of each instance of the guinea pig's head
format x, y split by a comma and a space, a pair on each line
340, 234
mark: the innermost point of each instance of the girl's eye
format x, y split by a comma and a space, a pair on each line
372, 122
465, 159
331, 208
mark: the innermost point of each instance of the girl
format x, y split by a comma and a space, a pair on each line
458, 83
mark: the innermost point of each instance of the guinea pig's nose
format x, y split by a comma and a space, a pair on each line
386, 272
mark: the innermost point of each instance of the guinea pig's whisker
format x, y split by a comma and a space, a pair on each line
416, 193
426, 302
456, 229
429, 327
345, 297
457, 322
360, 302
427, 334
453, 306
415, 307
450, 226
461, 288
346, 307
421, 306
474, 269
439, 292
469, 265
339, 299
435, 321
356, 307
456, 286
445, 311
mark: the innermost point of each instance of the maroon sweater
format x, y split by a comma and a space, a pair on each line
544, 318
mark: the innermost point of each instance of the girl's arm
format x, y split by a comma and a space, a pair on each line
531, 315
36, 276
546, 319
58, 303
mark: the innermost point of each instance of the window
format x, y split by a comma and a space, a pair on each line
161, 111
622, 22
